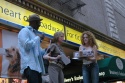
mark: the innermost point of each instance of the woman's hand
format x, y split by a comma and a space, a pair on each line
68, 57
80, 53
58, 57
91, 58
46, 56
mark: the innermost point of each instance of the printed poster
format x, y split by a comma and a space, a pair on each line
9, 55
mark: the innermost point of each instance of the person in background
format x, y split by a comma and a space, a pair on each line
30, 50
88, 53
55, 63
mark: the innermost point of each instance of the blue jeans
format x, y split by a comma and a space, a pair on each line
90, 73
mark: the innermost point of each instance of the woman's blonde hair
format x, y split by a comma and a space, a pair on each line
91, 38
56, 36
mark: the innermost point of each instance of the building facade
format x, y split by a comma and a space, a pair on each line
105, 16
71, 17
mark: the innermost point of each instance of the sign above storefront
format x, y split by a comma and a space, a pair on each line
107, 48
19, 16
10, 13
73, 35
73, 79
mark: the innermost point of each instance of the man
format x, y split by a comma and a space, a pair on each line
30, 50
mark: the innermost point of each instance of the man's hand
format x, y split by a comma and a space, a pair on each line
41, 36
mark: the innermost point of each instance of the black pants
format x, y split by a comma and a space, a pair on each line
32, 76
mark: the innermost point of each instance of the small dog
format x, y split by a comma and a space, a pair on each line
13, 55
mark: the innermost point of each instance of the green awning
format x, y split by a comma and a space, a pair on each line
113, 67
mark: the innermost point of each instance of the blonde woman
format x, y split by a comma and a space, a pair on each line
88, 53
55, 63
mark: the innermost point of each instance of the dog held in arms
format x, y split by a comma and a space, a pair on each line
13, 55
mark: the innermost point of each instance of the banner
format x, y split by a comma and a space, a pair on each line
73, 35
107, 48
10, 57
19, 15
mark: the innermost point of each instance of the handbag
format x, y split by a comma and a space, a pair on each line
64, 58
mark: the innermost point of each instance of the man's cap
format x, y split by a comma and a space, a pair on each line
34, 17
